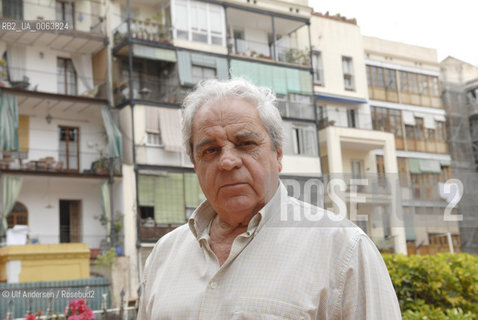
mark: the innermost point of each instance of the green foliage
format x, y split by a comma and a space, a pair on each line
436, 287
107, 259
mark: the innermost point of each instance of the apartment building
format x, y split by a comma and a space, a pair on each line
60, 166
347, 142
459, 84
405, 99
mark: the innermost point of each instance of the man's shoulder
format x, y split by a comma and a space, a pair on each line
171, 241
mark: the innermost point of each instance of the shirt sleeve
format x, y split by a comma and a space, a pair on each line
368, 292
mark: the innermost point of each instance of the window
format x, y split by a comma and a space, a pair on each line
347, 68
304, 140
423, 84
413, 82
404, 87
65, 11
199, 21
440, 131
67, 81
351, 121
390, 79
387, 120
202, 73
69, 147
318, 69
410, 132
402, 164
12, 9
154, 139
168, 197
419, 133
18, 215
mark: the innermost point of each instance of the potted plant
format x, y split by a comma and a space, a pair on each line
101, 166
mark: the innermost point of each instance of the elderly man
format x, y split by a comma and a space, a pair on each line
237, 258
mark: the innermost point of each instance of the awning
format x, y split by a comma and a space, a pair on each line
112, 132
408, 118
440, 118
429, 166
8, 122
186, 60
154, 53
170, 125
414, 166
428, 119
152, 120
340, 98
281, 80
409, 222
10, 190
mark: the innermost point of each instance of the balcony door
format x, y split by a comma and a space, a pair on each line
66, 76
69, 148
70, 221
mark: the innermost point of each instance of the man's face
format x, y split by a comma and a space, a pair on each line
234, 159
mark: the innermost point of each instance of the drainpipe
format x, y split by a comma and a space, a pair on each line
135, 167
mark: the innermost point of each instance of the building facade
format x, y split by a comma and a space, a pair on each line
405, 99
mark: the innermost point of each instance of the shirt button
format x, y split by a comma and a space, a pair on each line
213, 285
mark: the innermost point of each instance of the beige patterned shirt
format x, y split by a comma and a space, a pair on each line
283, 267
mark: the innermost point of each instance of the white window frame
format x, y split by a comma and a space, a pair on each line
348, 72
318, 68
192, 7
298, 147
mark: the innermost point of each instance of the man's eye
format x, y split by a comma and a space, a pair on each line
246, 143
210, 150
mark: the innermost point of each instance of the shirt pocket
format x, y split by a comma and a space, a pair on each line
267, 309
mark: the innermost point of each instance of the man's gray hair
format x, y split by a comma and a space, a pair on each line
213, 90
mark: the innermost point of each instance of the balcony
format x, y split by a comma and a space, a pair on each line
55, 162
271, 38
297, 110
151, 32
152, 90
20, 80
86, 27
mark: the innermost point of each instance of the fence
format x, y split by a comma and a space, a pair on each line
19, 299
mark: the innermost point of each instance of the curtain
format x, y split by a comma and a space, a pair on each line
16, 61
84, 70
10, 190
113, 133
106, 207
8, 122
170, 125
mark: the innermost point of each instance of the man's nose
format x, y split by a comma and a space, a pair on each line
229, 159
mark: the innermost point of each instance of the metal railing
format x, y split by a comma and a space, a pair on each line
152, 89
52, 82
296, 110
53, 161
143, 29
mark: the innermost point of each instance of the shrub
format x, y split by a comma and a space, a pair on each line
442, 286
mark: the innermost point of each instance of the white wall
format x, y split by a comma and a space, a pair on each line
42, 195
44, 137
335, 39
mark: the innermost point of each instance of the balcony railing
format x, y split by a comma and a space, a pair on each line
144, 30
261, 50
154, 90
52, 161
296, 110
50, 82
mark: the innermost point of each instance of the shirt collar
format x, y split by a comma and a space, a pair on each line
200, 221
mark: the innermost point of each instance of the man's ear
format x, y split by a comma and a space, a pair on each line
279, 158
